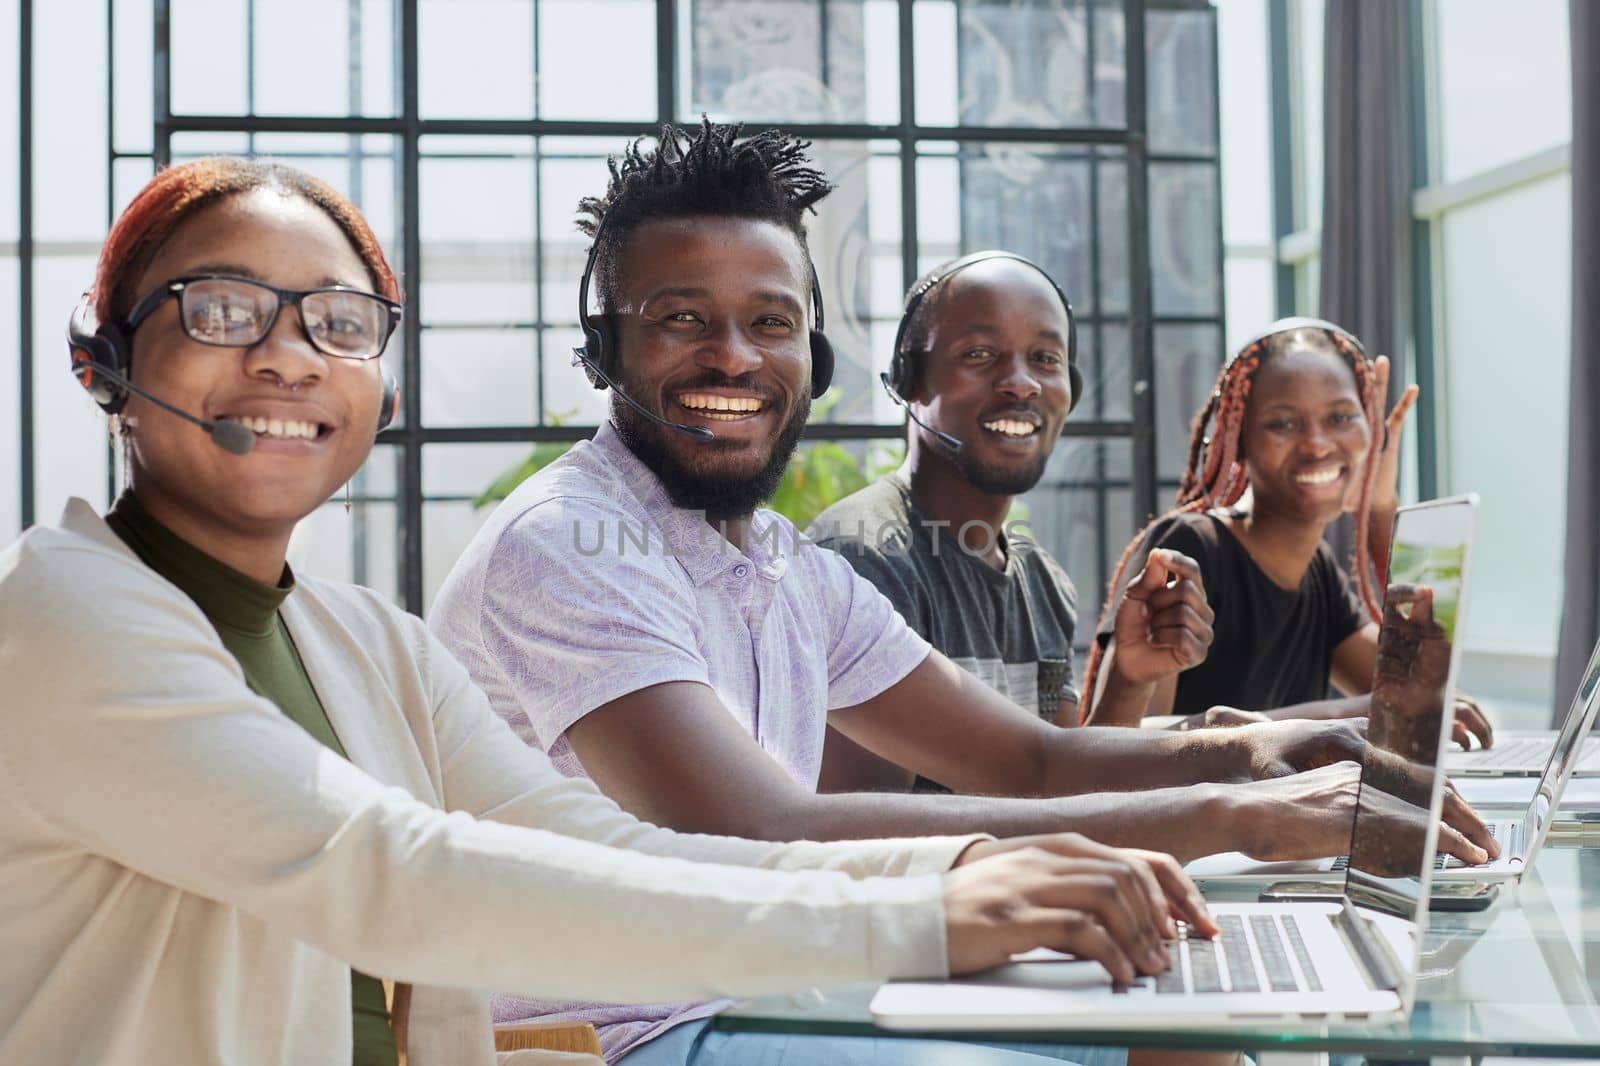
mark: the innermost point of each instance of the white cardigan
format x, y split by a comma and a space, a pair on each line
186, 875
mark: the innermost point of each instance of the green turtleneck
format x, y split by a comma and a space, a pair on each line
246, 617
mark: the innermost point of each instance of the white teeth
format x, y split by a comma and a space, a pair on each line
1319, 477
1011, 427
283, 429
706, 402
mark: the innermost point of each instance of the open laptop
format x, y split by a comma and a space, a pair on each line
1432, 542
1279, 964
1527, 753
1520, 841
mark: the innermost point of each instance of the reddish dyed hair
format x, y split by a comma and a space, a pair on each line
176, 193
1215, 475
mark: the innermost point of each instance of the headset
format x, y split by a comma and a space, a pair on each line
902, 370
1335, 332
602, 357
102, 360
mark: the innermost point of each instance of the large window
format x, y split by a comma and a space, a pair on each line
1081, 133
1492, 315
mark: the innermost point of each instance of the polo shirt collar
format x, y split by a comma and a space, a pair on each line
704, 553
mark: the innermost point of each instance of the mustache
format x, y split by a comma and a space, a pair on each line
713, 379
1013, 410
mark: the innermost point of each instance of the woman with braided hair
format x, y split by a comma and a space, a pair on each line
1285, 444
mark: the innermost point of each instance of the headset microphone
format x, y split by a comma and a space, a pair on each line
229, 436
699, 433
944, 438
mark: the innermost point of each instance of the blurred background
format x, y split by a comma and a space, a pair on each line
1187, 171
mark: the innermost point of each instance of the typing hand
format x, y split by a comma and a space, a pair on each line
1163, 624
1275, 749
1106, 904
1310, 815
1168, 890
1220, 717
1470, 721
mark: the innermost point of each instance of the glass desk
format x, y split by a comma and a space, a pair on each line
1518, 979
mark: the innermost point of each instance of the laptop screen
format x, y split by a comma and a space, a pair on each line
1392, 843
1564, 758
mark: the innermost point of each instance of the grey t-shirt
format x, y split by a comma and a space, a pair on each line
1012, 628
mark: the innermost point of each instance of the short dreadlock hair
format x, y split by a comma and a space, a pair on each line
707, 171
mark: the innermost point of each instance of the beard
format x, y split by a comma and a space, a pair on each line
720, 496
1000, 480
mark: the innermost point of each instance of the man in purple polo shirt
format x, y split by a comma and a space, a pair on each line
634, 611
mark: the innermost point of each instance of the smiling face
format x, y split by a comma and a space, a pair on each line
713, 327
313, 415
1305, 434
993, 372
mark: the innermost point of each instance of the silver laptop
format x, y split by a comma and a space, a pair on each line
1279, 964
1526, 753
1520, 841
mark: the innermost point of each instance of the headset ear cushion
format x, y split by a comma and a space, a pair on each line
106, 347
1075, 379
389, 405
821, 362
600, 348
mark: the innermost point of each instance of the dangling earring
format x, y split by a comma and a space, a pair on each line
347, 497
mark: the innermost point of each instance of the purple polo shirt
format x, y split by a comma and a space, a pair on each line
587, 584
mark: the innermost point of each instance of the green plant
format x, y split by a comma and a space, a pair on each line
818, 476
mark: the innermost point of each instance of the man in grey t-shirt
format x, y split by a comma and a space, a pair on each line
984, 363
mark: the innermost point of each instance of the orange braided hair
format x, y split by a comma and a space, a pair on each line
1215, 476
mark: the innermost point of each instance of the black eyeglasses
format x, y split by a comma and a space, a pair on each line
234, 312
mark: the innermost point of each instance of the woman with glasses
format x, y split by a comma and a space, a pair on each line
232, 797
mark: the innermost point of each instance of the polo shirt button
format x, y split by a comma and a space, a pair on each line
741, 570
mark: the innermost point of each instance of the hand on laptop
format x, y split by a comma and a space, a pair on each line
1064, 891
1309, 816
1219, 717
1276, 749
1470, 721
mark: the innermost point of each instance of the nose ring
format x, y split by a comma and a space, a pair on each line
282, 384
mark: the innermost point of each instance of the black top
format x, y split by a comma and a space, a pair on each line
1273, 646
1012, 628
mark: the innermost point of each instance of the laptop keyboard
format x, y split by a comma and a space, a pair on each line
1441, 861
1528, 751
1228, 963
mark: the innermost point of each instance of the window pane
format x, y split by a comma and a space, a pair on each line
1252, 299
9, 205
1032, 199
480, 377
69, 431
1247, 178
452, 476
855, 244
1184, 256
362, 546
1505, 88
1107, 371
69, 116
1082, 513
132, 58
1187, 358
1307, 16
10, 372
1507, 280
790, 60
473, 57
572, 42
479, 308
1182, 78
1039, 64
210, 60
